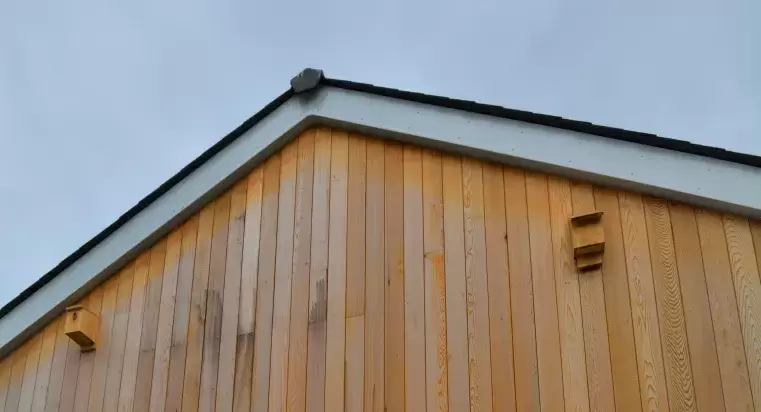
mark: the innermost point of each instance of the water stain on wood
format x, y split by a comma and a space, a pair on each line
318, 312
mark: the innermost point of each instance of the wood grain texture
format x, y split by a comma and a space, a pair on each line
568, 298
299, 299
296, 163
178, 351
230, 303
7, 363
374, 278
103, 353
118, 340
134, 332
152, 304
5, 376
394, 279
310, 261
191, 385
437, 374
355, 240
84, 380
165, 322
355, 277
521, 294
355, 274
742, 260
348, 273
336, 327
724, 312
57, 369
30, 374
456, 299
697, 309
244, 352
44, 369
623, 355
755, 229
643, 303
354, 400
414, 281
596, 347
13, 393
214, 301
545, 297
477, 287
265, 286
318, 268
69, 384
670, 308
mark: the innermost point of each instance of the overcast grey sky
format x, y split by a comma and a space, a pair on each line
102, 100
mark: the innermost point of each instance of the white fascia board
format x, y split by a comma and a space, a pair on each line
702, 181
699, 180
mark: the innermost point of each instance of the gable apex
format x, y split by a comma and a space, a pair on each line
628, 160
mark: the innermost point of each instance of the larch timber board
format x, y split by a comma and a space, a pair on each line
356, 274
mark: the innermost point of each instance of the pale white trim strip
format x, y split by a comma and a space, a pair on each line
679, 176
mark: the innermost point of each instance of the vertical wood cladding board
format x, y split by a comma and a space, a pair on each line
358, 274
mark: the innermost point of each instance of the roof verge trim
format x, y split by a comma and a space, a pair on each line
711, 182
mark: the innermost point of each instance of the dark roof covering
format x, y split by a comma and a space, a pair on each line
553, 121
311, 78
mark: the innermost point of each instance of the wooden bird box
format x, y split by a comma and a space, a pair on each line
588, 240
82, 327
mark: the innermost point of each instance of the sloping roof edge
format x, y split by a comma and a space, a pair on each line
134, 210
311, 79
647, 139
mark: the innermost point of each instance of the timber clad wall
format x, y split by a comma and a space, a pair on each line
347, 273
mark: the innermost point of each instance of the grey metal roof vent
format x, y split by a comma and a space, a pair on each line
307, 80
